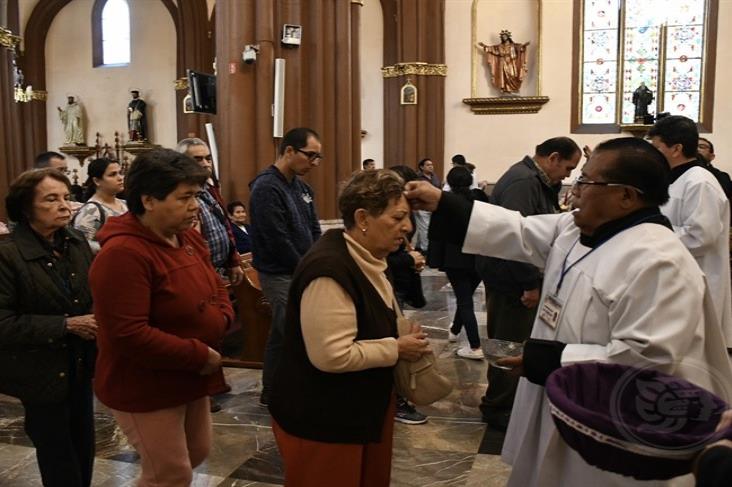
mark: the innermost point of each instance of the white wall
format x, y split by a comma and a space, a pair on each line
494, 142
104, 91
372, 82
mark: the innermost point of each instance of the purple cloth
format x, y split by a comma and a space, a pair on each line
635, 422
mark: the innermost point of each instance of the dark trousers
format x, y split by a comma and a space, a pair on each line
275, 288
63, 435
464, 283
510, 320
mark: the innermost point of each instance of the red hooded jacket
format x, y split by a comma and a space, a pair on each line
158, 309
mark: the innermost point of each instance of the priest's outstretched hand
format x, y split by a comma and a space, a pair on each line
422, 195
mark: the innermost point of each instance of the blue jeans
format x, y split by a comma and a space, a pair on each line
275, 288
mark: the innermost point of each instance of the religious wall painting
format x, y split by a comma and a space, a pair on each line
408, 94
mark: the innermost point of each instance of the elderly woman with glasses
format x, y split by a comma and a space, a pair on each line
157, 362
47, 331
333, 398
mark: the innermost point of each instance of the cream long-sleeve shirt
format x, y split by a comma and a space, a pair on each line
328, 320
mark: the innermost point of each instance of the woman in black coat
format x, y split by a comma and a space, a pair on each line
460, 269
47, 331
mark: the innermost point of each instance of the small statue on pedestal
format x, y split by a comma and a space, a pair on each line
507, 61
136, 118
642, 97
73, 122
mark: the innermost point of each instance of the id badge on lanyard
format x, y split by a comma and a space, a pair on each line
551, 311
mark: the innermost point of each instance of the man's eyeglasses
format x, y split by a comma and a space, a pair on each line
583, 181
201, 158
312, 156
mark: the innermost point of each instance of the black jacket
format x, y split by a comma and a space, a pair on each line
445, 255
522, 189
37, 293
243, 239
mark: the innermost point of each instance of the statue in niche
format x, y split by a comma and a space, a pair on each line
642, 97
72, 120
507, 62
18, 78
136, 118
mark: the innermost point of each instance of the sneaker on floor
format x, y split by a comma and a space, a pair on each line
467, 352
263, 400
215, 406
407, 414
451, 337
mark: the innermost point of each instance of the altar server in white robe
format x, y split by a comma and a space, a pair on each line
698, 210
619, 287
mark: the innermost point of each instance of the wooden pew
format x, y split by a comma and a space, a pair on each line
254, 317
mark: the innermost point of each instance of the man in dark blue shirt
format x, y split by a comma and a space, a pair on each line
284, 226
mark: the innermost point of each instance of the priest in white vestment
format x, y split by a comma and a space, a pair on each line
698, 210
619, 287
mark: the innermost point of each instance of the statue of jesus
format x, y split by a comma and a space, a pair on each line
507, 61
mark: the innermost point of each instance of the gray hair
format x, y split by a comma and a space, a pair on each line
186, 144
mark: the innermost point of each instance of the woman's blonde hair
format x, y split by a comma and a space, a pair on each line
370, 190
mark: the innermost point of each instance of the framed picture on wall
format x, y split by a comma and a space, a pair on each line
408, 94
291, 34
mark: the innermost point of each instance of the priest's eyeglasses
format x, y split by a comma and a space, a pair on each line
583, 181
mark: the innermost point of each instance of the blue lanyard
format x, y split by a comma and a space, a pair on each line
566, 269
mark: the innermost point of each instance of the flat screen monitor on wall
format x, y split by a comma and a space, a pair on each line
202, 88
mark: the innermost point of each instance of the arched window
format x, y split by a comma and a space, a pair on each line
111, 33
667, 44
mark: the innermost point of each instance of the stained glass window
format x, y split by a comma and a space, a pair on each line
629, 42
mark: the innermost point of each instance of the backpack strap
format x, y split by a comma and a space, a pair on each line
100, 209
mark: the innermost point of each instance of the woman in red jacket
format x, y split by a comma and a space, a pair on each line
161, 310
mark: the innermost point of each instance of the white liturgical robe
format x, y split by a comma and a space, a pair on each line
699, 212
638, 299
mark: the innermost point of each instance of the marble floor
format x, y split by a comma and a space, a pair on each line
453, 448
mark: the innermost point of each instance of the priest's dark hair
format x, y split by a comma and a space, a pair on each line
638, 164
297, 139
677, 129
564, 146
158, 173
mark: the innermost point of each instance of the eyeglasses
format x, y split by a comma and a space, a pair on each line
201, 158
312, 156
581, 180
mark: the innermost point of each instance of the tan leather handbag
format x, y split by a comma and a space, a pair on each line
419, 382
